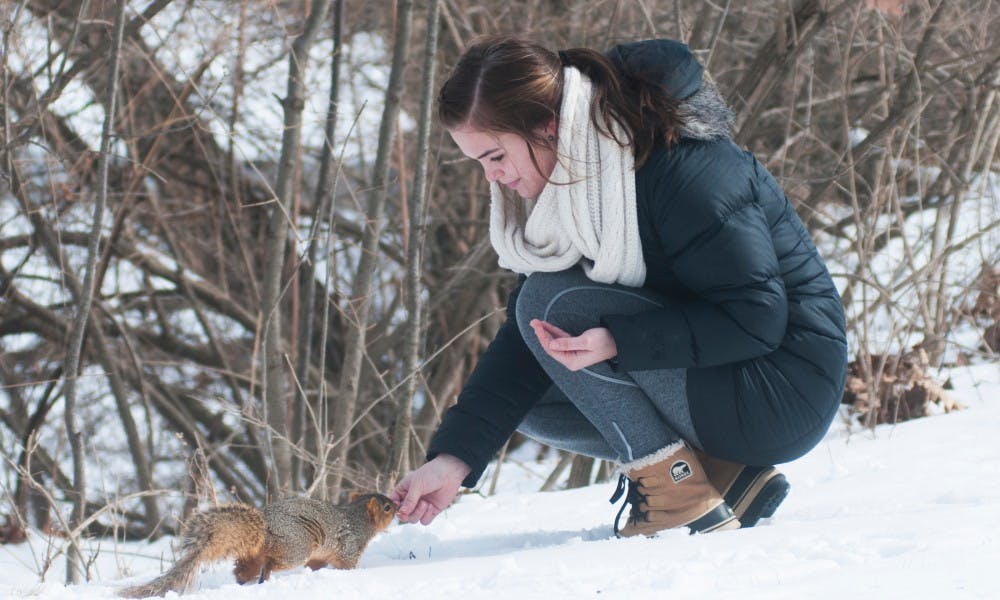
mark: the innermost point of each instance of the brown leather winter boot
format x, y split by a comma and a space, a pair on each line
753, 493
670, 489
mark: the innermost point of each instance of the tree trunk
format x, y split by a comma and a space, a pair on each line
309, 434
275, 374
360, 301
579, 472
75, 565
400, 436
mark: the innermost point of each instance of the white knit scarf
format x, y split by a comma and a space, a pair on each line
586, 215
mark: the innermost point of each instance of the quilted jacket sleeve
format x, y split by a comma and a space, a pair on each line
504, 385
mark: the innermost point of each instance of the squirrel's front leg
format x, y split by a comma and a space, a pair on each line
265, 572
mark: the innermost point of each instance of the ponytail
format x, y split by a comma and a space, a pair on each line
510, 85
642, 108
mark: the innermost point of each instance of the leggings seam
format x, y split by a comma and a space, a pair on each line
548, 307
621, 434
551, 303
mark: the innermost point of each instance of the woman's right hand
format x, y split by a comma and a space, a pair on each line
424, 493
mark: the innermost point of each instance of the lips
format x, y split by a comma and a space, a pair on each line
513, 184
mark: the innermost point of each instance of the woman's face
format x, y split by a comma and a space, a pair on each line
505, 158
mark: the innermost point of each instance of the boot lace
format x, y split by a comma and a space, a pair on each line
634, 498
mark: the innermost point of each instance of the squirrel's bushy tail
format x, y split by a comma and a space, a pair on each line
228, 531
179, 578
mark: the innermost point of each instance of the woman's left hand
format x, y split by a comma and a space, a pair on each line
575, 352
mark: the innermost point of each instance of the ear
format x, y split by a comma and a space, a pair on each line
352, 496
552, 127
373, 508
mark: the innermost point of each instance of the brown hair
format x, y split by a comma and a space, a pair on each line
511, 85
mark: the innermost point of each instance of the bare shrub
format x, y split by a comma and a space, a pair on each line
881, 125
904, 390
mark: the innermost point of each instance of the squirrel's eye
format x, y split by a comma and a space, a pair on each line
387, 507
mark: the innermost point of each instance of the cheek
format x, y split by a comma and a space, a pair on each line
547, 161
526, 168
540, 174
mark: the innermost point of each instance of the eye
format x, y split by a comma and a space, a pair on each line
497, 158
387, 507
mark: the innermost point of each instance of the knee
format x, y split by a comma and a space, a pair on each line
530, 302
535, 294
538, 293
529, 426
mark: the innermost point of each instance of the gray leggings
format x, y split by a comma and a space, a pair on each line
596, 411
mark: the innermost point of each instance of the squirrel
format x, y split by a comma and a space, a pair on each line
288, 533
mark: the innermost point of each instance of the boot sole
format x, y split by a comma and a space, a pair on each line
756, 494
720, 518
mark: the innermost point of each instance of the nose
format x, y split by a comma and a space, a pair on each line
493, 173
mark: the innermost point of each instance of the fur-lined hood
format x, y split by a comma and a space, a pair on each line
672, 65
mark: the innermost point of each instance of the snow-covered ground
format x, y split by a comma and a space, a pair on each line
911, 511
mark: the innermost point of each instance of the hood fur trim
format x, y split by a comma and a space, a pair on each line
705, 114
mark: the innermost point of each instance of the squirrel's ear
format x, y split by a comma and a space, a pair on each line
352, 496
372, 506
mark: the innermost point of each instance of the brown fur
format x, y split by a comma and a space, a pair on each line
287, 534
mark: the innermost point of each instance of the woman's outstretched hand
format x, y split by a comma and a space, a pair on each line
575, 352
424, 493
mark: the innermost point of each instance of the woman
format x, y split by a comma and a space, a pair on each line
675, 318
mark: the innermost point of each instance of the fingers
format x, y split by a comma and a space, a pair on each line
548, 328
574, 361
575, 352
569, 344
418, 512
556, 331
558, 344
424, 512
410, 499
552, 338
399, 492
544, 337
427, 512
423, 494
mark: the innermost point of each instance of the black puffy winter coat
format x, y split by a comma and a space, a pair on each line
753, 315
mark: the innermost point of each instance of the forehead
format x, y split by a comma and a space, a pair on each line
474, 142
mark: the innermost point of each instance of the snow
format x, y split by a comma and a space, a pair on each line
911, 510
906, 511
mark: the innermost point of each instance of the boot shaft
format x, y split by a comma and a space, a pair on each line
674, 491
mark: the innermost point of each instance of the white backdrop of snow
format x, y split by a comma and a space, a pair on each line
906, 511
